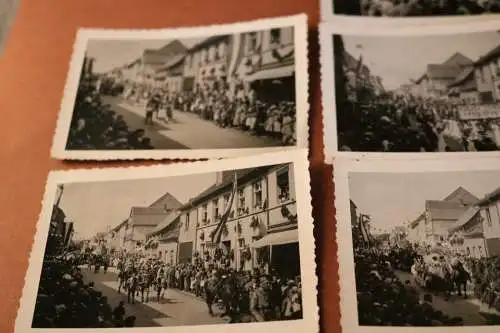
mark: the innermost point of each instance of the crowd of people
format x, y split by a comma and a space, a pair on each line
384, 300
243, 296
390, 122
96, 126
486, 274
64, 300
419, 7
244, 111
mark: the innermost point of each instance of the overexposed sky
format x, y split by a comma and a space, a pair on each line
109, 54
393, 199
398, 59
93, 206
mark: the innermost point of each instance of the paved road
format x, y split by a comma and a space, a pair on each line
178, 308
472, 311
187, 131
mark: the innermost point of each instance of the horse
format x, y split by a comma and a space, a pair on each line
459, 278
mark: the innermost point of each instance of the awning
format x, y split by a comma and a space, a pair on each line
272, 73
278, 238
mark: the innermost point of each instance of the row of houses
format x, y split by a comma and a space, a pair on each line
254, 60
261, 228
477, 82
467, 224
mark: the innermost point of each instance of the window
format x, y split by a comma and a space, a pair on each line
257, 194
275, 36
186, 225
252, 42
189, 61
226, 200
215, 204
488, 216
283, 183
480, 251
221, 51
212, 54
204, 56
241, 242
241, 199
204, 213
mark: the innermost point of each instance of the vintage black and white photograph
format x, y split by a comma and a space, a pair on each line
195, 92
205, 245
416, 90
410, 8
428, 252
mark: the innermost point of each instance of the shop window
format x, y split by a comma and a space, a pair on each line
215, 204
283, 182
204, 213
257, 194
275, 36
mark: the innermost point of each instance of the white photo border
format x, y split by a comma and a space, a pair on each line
327, 14
310, 320
343, 167
351, 28
299, 22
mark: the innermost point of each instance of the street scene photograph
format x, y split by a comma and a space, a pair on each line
440, 94
414, 8
222, 91
428, 253
197, 249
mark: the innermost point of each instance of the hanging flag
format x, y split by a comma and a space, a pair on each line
68, 232
217, 234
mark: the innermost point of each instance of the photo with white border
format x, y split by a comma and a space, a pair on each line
190, 246
418, 242
199, 92
439, 99
387, 12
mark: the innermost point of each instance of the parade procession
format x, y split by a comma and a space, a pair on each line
229, 254
439, 268
221, 91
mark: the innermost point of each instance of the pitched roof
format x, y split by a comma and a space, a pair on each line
172, 234
443, 72
445, 210
465, 218
242, 175
461, 195
207, 41
491, 54
463, 76
167, 221
172, 62
166, 202
495, 195
163, 54
458, 59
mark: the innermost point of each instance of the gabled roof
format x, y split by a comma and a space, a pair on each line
166, 202
493, 196
242, 175
458, 59
461, 195
443, 72
167, 221
465, 218
172, 62
163, 54
495, 52
462, 77
208, 41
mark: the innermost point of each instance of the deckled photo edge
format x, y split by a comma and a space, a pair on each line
327, 77
298, 158
351, 27
343, 167
65, 113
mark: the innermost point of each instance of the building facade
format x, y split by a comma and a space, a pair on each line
206, 63
487, 75
262, 226
163, 241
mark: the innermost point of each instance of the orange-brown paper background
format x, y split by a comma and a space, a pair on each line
32, 77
